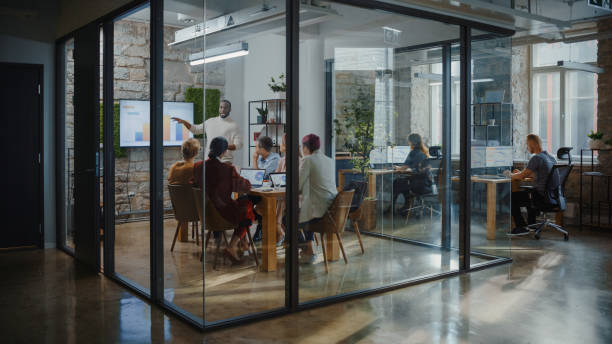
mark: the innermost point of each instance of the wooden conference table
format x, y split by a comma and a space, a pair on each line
267, 209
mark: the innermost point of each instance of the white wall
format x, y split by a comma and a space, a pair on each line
21, 50
247, 78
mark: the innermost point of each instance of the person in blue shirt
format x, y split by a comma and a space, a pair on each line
539, 167
418, 181
264, 158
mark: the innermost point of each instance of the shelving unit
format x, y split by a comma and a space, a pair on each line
498, 133
594, 176
274, 126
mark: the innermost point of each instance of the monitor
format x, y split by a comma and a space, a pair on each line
135, 124
278, 179
254, 176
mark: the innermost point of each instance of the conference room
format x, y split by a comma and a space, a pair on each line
383, 93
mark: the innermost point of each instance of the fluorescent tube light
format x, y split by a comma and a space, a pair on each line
219, 54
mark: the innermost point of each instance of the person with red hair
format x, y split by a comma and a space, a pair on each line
317, 185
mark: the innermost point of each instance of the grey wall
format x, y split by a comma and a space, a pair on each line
20, 50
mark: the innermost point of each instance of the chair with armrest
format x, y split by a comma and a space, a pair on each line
355, 210
333, 222
185, 211
553, 201
214, 222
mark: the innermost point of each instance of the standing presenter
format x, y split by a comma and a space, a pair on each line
221, 125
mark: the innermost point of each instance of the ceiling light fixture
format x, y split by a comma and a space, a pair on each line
219, 54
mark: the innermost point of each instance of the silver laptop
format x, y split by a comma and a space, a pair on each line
255, 176
278, 179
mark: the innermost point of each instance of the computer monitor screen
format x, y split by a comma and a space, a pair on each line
278, 179
254, 176
135, 125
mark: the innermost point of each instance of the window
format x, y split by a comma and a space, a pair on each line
564, 102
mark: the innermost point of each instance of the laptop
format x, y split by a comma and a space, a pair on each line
278, 179
255, 176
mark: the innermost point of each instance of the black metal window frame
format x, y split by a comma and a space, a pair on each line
292, 304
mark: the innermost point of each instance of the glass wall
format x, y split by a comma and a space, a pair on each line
379, 117
384, 154
131, 146
491, 138
68, 214
184, 99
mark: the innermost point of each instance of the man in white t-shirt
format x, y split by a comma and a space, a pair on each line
223, 126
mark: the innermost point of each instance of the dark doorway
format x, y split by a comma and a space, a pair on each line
20, 139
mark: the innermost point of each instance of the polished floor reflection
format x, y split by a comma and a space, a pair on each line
238, 289
554, 292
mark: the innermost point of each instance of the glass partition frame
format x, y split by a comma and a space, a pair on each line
292, 304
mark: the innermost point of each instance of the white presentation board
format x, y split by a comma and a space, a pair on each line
134, 123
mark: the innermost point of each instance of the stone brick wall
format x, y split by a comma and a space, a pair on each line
520, 95
131, 81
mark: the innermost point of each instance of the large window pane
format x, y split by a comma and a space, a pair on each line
131, 147
546, 110
384, 95
581, 108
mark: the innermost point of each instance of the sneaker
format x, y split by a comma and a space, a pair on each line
308, 258
519, 231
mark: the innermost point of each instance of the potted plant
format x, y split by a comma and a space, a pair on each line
278, 86
263, 115
596, 140
355, 128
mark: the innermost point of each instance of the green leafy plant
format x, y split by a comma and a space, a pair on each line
595, 135
278, 86
196, 96
356, 127
263, 112
119, 152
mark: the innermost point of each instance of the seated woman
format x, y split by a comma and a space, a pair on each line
221, 180
181, 172
419, 182
317, 185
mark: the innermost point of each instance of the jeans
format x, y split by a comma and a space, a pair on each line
521, 199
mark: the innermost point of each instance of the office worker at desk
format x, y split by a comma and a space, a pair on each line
221, 180
419, 181
539, 167
221, 125
263, 157
317, 186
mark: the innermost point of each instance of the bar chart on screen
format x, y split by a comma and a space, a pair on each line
134, 124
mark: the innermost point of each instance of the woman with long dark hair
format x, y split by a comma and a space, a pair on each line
221, 180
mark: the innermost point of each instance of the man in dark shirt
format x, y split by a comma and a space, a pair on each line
539, 168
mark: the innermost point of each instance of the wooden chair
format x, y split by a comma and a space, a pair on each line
333, 222
355, 210
214, 222
185, 211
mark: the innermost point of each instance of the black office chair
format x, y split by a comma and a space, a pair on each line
421, 199
563, 153
554, 200
435, 152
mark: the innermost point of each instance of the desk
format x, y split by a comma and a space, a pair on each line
267, 209
491, 200
372, 173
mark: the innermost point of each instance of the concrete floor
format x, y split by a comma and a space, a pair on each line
554, 292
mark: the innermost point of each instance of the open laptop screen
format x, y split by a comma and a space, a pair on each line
254, 176
278, 179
